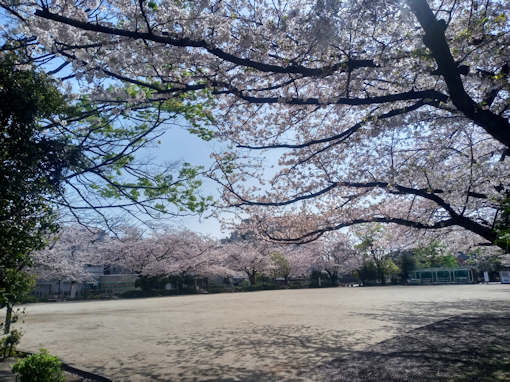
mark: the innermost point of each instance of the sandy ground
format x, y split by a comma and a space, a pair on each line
259, 336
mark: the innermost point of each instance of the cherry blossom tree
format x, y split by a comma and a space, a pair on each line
300, 258
161, 253
69, 253
382, 111
376, 246
244, 251
248, 257
337, 256
292, 261
165, 252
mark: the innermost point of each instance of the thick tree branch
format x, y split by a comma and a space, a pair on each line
435, 39
314, 235
430, 94
455, 218
345, 134
346, 66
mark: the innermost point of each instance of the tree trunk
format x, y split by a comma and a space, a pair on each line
381, 275
330, 276
8, 318
252, 277
495, 125
73, 289
380, 271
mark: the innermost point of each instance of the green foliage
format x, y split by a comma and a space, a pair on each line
368, 272
407, 263
259, 286
48, 142
30, 161
389, 267
260, 282
31, 164
15, 286
195, 107
149, 283
447, 261
202, 132
122, 132
367, 242
368, 239
281, 265
434, 255
228, 162
503, 226
9, 342
39, 367
180, 192
136, 293
375, 258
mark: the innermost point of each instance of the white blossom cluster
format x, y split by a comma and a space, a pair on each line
371, 120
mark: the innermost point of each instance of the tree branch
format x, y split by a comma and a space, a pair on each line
346, 66
435, 39
345, 134
314, 235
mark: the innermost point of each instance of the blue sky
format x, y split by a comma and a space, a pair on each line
177, 144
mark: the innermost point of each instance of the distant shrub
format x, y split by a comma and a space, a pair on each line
29, 299
218, 289
8, 343
299, 285
137, 293
267, 285
368, 273
39, 367
97, 295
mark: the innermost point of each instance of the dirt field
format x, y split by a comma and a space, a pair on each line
259, 336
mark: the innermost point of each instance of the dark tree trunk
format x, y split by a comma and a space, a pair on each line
8, 319
380, 274
252, 277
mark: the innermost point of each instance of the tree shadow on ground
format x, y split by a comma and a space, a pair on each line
6, 376
469, 347
262, 353
422, 313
